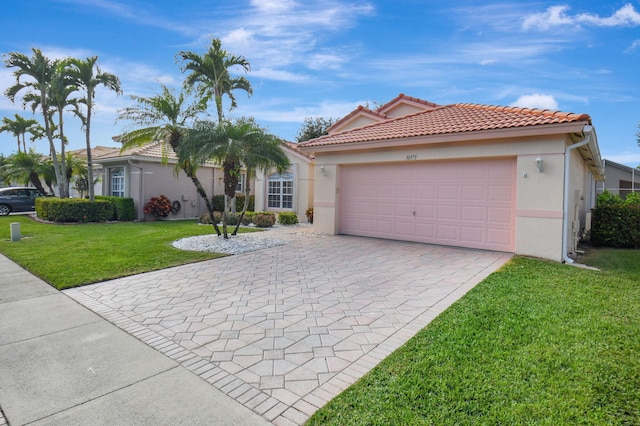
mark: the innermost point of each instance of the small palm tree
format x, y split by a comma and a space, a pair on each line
164, 118
25, 167
19, 128
209, 75
234, 145
88, 76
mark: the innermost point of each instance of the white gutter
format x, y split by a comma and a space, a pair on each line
567, 176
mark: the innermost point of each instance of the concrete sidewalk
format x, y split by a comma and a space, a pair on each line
61, 364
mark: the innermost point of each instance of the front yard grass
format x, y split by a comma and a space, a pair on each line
71, 255
535, 343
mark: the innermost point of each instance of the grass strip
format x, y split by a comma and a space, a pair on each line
535, 343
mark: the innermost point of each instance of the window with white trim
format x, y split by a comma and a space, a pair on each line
117, 182
241, 182
280, 191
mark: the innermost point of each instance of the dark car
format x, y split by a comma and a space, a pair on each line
18, 199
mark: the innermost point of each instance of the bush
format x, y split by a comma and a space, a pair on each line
264, 219
218, 203
309, 214
73, 210
232, 219
123, 207
616, 222
247, 218
287, 218
158, 207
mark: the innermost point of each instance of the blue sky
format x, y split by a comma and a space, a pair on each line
326, 57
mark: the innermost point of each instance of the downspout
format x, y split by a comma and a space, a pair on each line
140, 212
567, 176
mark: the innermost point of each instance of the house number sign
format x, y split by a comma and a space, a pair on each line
412, 157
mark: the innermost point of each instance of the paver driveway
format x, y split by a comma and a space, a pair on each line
285, 329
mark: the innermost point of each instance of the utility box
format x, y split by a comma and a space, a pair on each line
15, 231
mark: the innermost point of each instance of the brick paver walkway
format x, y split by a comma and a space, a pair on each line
283, 330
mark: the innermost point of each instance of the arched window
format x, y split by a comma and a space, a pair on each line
280, 191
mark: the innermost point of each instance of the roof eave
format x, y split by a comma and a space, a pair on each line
537, 130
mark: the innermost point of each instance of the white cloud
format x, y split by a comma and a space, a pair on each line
537, 100
558, 15
634, 46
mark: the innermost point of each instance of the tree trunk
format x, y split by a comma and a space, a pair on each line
204, 196
247, 191
35, 180
92, 195
52, 146
64, 184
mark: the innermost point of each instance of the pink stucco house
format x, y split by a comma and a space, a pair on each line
501, 178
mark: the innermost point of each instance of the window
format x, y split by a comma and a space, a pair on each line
280, 191
241, 182
117, 182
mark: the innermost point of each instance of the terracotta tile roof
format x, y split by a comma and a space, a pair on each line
409, 98
358, 111
294, 147
152, 150
448, 119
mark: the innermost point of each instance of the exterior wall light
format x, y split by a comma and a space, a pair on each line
539, 164
323, 171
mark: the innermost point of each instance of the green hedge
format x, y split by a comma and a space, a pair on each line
218, 203
616, 221
264, 219
123, 208
73, 210
287, 218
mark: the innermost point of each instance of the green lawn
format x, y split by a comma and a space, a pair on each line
72, 255
535, 343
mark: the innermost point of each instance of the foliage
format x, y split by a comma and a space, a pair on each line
98, 252
159, 207
123, 207
209, 75
87, 76
287, 218
616, 221
314, 127
535, 343
19, 127
233, 144
218, 203
264, 219
26, 168
309, 214
73, 210
247, 219
165, 118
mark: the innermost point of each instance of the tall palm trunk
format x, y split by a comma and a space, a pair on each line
92, 195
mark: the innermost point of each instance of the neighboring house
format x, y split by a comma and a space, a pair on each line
619, 179
140, 173
489, 177
96, 152
287, 192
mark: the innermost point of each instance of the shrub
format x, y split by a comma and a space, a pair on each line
158, 207
309, 214
123, 207
232, 219
264, 219
287, 218
218, 203
73, 210
616, 222
247, 218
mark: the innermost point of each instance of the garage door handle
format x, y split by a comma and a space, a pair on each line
414, 213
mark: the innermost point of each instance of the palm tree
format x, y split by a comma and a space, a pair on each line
234, 145
19, 128
88, 76
210, 74
61, 88
164, 118
26, 167
38, 71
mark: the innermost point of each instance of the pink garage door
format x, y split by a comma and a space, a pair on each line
458, 203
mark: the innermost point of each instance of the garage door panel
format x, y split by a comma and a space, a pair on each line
461, 203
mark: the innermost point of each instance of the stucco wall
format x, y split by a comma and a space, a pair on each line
303, 177
539, 195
